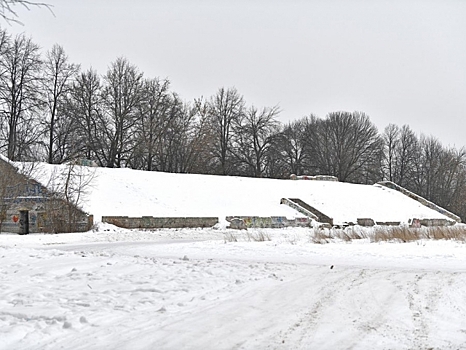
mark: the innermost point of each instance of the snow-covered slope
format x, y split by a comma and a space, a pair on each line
126, 192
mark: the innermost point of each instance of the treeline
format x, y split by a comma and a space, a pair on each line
53, 111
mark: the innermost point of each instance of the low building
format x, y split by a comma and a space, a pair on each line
26, 206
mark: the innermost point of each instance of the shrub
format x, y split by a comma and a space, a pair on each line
259, 236
229, 237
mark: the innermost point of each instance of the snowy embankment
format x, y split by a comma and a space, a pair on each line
192, 289
127, 192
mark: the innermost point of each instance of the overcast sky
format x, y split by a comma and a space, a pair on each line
401, 62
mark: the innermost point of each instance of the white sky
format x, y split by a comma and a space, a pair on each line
399, 61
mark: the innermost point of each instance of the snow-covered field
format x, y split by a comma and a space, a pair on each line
194, 289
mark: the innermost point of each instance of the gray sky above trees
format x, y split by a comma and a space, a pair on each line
399, 61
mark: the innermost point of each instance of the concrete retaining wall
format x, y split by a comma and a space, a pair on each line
420, 199
265, 222
150, 222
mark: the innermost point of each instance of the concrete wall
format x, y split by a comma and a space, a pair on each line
420, 199
45, 213
265, 222
149, 222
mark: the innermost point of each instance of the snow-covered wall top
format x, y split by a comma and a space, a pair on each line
127, 192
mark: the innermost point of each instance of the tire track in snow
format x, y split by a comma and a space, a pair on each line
424, 293
418, 310
368, 310
305, 326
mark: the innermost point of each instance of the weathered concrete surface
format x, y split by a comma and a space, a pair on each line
149, 222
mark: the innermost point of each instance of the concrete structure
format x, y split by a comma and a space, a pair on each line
320, 199
129, 198
420, 199
26, 206
241, 222
149, 222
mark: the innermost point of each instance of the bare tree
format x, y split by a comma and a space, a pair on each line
345, 145
5, 41
19, 96
294, 141
406, 156
201, 157
58, 74
174, 138
400, 154
427, 167
226, 108
151, 122
163, 130
276, 164
67, 145
85, 103
253, 136
67, 190
122, 94
184, 145
8, 12
453, 182
439, 171
391, 142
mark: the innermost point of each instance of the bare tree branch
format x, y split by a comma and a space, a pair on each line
9, 14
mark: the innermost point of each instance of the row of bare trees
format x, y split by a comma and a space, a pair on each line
51, 110
348, 146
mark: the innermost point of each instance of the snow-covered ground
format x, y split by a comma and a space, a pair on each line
221, 289
199, 289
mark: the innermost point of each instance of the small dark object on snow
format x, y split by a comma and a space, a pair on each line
331, 267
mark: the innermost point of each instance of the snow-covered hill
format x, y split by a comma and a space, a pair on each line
126, 192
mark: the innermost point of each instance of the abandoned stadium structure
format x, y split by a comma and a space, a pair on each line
28, 206
313, 210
